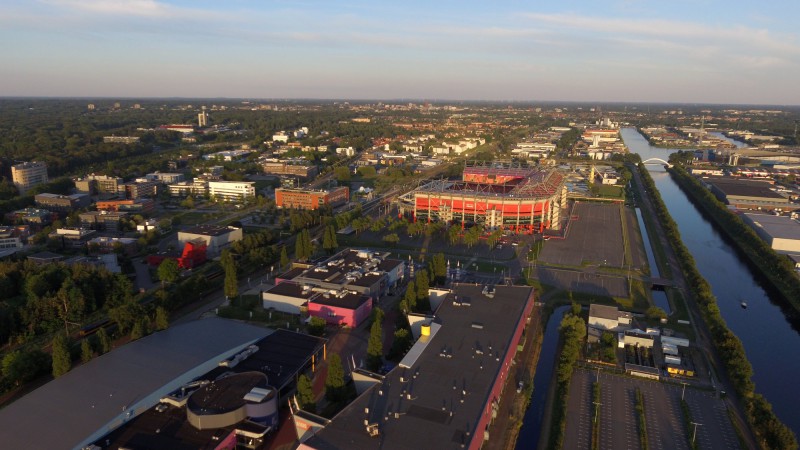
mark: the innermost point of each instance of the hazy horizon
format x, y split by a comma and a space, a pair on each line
625, 51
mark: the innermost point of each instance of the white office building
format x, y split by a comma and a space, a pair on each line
231, 191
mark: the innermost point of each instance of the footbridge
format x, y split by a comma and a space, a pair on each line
653, 161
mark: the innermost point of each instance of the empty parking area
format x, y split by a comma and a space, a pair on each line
715, 430
618, 422
578, 433
594, 236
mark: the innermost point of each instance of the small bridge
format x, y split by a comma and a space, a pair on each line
654, 161
659, 284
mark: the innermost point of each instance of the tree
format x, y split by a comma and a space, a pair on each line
103, 340
284, 257
334, 382
423, 284
139, 329
22, 366
162, 318
402, 342
126, 315
454, 235
305, 394
342, 173
655, 313
391, 239
168, 271
62, 361
409, 302
86, 351
375, 347
329, 239
231, 285
316, 326
439, 268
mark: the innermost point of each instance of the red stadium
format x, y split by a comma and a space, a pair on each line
495, 195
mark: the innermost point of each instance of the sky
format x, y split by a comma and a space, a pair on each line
682, 51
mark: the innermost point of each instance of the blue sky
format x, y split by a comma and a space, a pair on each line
675, 51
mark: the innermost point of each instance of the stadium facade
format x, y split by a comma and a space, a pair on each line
496, 195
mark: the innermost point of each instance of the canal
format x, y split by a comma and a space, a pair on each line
771, 340
532, 422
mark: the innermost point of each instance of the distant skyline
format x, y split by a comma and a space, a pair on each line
731, 52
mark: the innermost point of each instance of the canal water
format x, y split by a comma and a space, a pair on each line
659, 296
769, 334
532, 422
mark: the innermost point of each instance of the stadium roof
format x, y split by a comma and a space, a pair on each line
99, 395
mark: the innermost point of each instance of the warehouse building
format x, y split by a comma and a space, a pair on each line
782, 233
495, 195
748, 194
446, 390
216, 237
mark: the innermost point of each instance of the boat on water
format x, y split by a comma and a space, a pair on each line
744, 304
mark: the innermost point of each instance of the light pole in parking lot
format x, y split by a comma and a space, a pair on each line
596, 409
694, 433
684, 390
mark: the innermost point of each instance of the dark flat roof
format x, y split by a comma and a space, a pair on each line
290, 289
69, 410
744, 188
368, 280
350, 300
208, 230
225, 395
280, 356
435, 383
388, 264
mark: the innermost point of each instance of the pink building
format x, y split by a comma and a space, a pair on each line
342, 308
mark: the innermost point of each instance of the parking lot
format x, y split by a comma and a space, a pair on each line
664, 417
594, 236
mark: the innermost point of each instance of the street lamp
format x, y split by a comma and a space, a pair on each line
694, 433
596, 409
684, 390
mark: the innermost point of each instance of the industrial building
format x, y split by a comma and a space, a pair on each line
336, 307
608, 318
496, 195
366, 272
747, 194
782, 233
446, 390
28, 174
216, 237
311, 199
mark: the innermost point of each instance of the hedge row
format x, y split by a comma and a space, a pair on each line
771, 432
